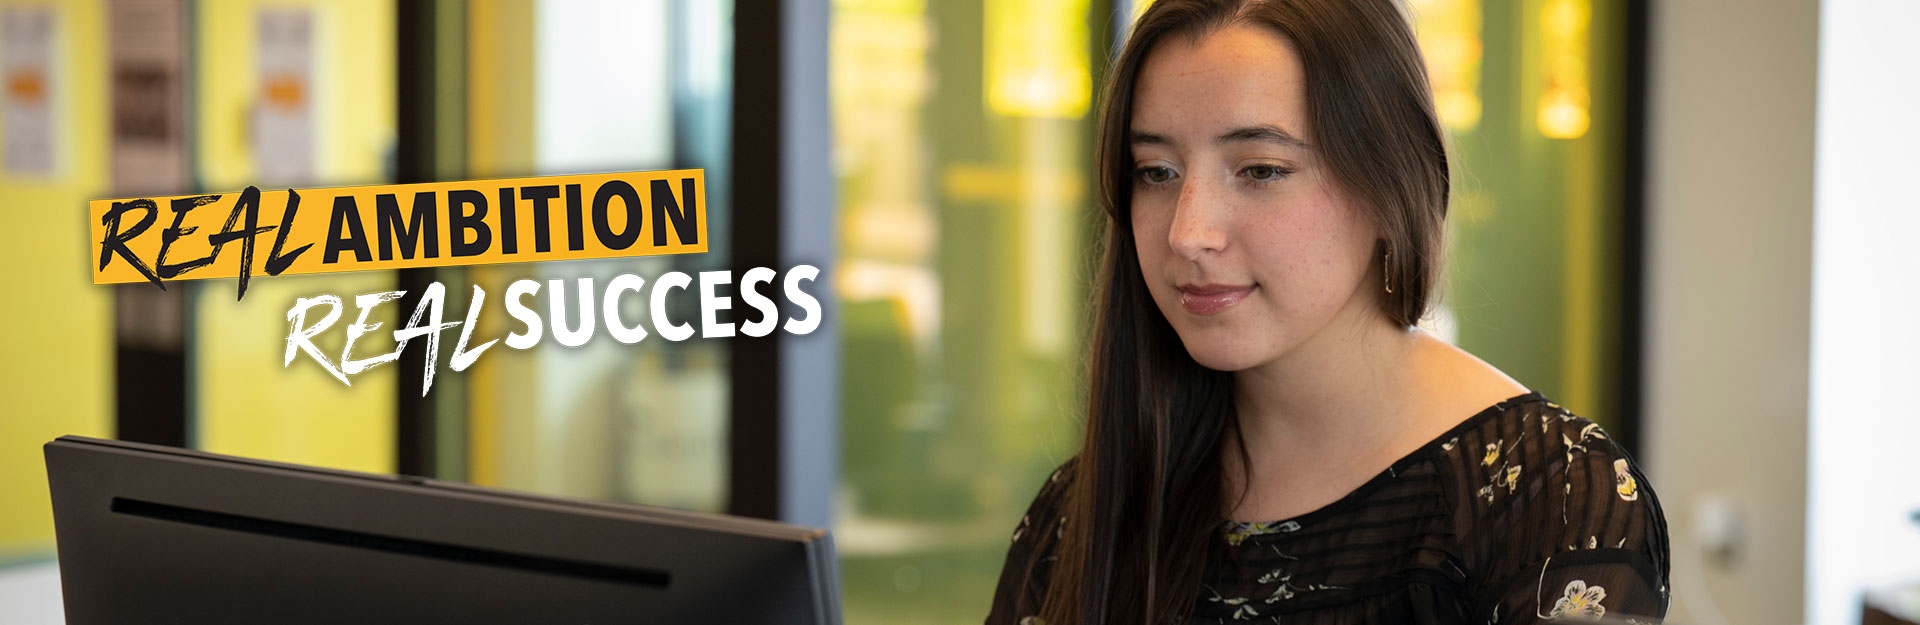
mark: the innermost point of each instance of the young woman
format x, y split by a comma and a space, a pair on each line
1269, 437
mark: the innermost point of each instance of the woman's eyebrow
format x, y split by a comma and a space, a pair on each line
1147, 138
1262, 133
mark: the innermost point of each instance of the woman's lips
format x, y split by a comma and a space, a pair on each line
1210, 299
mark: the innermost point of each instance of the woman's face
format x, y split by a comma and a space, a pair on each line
1245, 241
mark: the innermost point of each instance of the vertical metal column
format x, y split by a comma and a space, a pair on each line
430, 115
785, 437
1633, 231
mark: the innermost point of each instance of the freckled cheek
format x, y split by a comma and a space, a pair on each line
1300, 250
1150, 238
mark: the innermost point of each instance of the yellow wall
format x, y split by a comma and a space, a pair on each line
56, 335
247, 403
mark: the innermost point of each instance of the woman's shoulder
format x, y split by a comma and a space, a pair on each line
1029, 566
1529, 450
1046, 513
1538, 487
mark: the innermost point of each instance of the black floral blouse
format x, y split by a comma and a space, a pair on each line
1522, 513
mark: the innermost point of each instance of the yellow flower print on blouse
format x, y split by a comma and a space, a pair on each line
1238, 531
1512, 478
1623, 481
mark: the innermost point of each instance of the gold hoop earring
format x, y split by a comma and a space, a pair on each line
1386, 269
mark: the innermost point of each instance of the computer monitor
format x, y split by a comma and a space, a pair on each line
150, 534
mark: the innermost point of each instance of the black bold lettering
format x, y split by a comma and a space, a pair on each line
540, 195
509, 243
346, 216
459, 223
684, 220
602, 226
576, 240
181, 206
248, 205
425, 225
115, 242
277, 263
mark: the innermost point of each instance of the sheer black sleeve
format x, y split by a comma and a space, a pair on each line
1029, 566
1566, 526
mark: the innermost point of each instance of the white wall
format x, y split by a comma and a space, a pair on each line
1864, 481
1730, 204
603, 86
30, 594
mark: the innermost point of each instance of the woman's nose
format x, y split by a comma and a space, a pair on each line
1199, 220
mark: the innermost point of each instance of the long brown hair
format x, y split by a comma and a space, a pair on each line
1146, 500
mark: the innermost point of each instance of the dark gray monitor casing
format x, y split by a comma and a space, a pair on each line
150, 534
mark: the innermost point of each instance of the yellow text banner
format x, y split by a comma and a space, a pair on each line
258, 232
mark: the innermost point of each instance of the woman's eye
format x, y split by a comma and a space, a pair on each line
1153, 175
1266, 173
